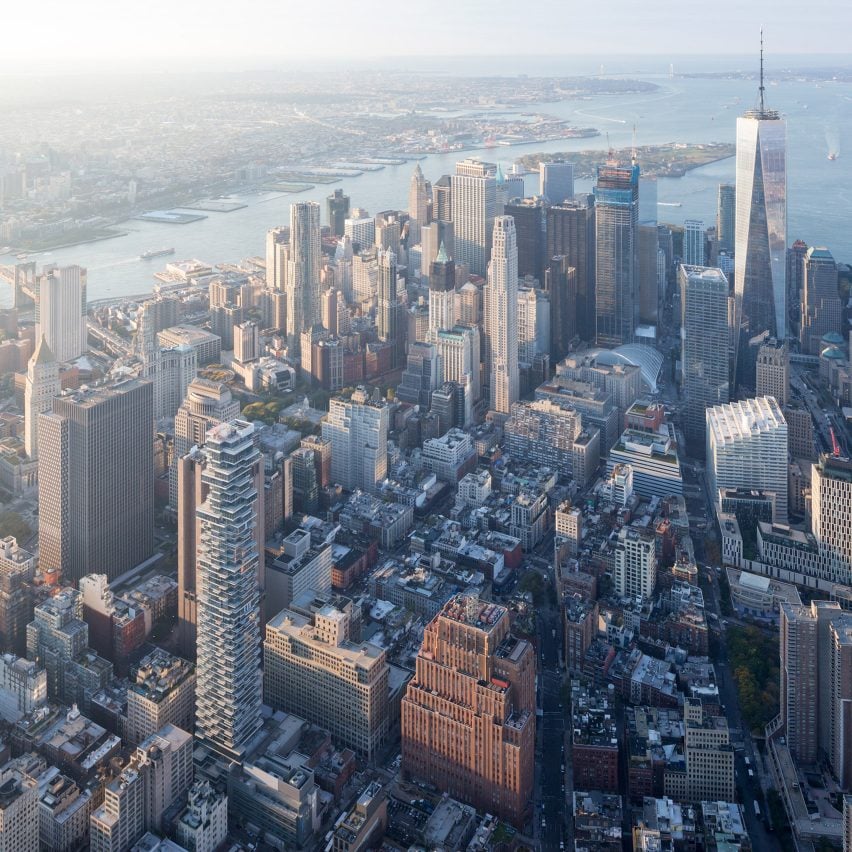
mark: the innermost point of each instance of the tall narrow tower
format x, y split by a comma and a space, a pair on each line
303, 275
474, 205
60, 311
42, 385
760, 289
501, 317
229, 685
442, 293
418, 205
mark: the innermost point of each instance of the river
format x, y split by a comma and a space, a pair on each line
682, 110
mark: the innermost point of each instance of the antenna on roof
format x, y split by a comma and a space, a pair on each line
608, 145
633, 152
762, 87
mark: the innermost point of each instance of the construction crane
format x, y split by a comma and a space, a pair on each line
835, 447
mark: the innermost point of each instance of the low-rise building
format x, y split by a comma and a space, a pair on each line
203, 824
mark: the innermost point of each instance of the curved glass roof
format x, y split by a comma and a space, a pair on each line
647, 358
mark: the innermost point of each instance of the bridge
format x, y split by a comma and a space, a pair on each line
22, 279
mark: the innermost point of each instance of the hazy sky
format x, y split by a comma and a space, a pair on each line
49, 33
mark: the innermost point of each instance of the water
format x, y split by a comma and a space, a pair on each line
819, 116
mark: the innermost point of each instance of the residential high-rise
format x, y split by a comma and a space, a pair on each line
571, 233
822, 309
206, 404
556, 182
17, 570
303, 271
277, 256
760, 288
616, 247
635, 572
418, 205
773, 370
501, 318
831, 506
337, 211
203, 825
388, 308
473, 694
704, 358
529, 216
560, 282
313, 669
228, 685
474, 206
305, 484
60, 311
358, 431
246, 342
726, 208
693, 242
442, 292
41, 386
747, 448
96, 480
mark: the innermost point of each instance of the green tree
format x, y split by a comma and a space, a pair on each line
11, 523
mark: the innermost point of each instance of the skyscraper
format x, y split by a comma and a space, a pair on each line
704, 352
337, 209
831, 506
303, 274
442, 197
442, 292
473, 694
726, 208
386, 301
277, 256
229, 680
773, 370
635, 572
571, 233
418, 205
747, 448
693, 242
96, 480
358, 431
760, 288
822, 309
616, 224
560, 281
41, 386
474, 206
501, 317
796, 255
60, 311
528, 214
432, 237
556, 182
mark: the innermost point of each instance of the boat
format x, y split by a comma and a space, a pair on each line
152, 253
832, 155
22, 256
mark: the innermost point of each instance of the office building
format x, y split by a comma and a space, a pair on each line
726, 207
653, 457
449, 456
773, 370
533, 325
246, 342
501, 318
747, 448
358, 431
277, 256
459, 361
305, 484
360, 229
760, 246
203, 824
303, 271
432, 237
23, 687
207, 346
796, 255
60, 311
647, 272
18, 811
528, 214
474, 206
228, 592
556, 182
389, 312
822, 309
41, 386
418, 205
635, 568
313, 670
616, 224
420, 376
442, 198
473, 694
96, 480
831, 506
570, 232
693, 242
560, 282
442, 292
64, 811
337, 211
17, 571
704, 354
206, 404
302, 567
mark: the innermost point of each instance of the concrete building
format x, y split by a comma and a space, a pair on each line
822, 309
365, 823
312, 669
704, 357
473, 693
635, 569
246, 342
693, 242
337, 211
773, 371
358, 431
42, 384
203, 825
442, 292
653, 457
449, 457
474, 206
228, 592
18, 811
64, 810
23, 687
831, 507
556, 181
418, 205
60, 311
302, 566
17, 571
207, 346
747, 448
96, 480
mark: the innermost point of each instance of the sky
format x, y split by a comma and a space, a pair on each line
69, 35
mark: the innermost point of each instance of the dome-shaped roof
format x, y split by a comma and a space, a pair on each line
832, 353
832, 338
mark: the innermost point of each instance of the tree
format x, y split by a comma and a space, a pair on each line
11, 523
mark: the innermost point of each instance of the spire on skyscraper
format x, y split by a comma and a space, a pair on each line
441, 257
762, 87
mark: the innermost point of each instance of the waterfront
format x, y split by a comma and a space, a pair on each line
682, 110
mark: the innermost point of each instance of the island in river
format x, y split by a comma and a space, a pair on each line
673, 159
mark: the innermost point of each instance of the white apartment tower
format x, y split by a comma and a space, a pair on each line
303, 270
60, 311
635, 572
501, 317
474, 194
228, 681
41, 386
831, 506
